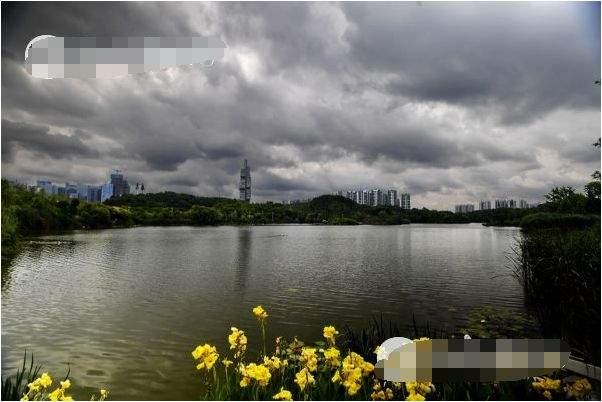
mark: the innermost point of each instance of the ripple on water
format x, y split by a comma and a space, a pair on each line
124, 308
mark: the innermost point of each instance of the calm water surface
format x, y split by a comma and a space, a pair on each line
123, 308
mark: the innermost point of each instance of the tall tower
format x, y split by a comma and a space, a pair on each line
245, 182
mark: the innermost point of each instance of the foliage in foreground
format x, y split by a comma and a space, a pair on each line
560, 272
27, 384
324, 371
15, 386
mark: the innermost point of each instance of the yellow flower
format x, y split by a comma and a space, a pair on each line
354, 367
104, 393
579, 389
238, 341
547, 395
336, 377
257, 372
545, 383
309, 358
24, 397
278, 339
367, 368
42, 382
65, 384
415, 397
352, 388
272, 363
227, 363
207, 355
262, 375
283, 395
330, 333
331, 355
379, 393
420, 387
45, 380
245, 382
56, 394
304, 378
260, 313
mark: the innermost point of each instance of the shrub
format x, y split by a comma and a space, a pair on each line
560, 272
555, 220
199, 215
94, 216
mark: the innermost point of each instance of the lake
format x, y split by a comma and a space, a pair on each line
123, 308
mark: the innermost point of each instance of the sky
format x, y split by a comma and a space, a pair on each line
451, 102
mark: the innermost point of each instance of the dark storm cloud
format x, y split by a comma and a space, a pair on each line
277, 184
443, 100
39, 140
523, 60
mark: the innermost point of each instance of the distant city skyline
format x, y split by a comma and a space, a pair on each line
377, 196
116, 184
451, 102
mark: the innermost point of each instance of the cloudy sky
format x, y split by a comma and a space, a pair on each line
451, 102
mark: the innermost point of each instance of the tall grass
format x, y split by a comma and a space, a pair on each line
560, 272
379, 329
15, 385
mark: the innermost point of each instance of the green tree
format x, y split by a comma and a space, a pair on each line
200, 215
558, 194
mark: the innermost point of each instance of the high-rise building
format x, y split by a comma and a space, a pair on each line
71, 190
106, 191
366, 197
120, 185
245, 182
404, 201
94, 193
484, 205
82, 191
501, 204
46, 186
391, 197
464, 208
376, 197
523, 204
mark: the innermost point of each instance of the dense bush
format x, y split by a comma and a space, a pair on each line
556, 220
94, 216
560, 272
199, 215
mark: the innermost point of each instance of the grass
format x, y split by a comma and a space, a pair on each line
560, 272
15, 385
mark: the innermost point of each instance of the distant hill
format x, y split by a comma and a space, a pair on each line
166, 199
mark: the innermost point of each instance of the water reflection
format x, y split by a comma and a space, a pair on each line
244, 256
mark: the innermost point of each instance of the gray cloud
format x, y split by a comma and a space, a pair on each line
447, 101
39, 140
